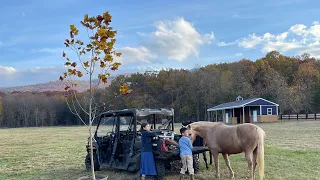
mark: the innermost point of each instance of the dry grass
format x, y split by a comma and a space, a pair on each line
292, 151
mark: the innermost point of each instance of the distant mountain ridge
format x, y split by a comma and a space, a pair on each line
54, 86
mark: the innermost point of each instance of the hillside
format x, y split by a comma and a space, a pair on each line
51, 86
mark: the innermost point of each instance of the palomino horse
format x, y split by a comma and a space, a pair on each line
220, 138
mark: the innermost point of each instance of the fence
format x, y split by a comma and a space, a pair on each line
299, 116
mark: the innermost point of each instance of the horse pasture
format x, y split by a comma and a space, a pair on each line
292, 151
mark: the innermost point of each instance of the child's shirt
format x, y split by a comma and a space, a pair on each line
185, 146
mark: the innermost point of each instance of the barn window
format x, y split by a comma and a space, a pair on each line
269, 111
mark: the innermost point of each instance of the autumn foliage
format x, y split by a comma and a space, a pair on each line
98, 51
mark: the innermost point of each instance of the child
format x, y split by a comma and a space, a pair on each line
185, 146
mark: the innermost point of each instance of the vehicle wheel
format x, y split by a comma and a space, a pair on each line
196, 164
161, 171
176, 166
95, 161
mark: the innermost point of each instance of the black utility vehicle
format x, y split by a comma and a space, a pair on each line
117, 140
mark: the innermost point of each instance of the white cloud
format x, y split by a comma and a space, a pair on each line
7, 71
238, 54
176, 40
141, 34
130, 54
51, 50
299, 29
298, 39
12, 77
221, 44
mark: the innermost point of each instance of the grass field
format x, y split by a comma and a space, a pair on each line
292, 151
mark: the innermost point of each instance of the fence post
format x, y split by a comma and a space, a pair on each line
306, 116
281, 117
297, 117
315, 116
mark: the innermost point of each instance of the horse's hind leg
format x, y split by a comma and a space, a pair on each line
210, 154
249, 156
216, 163
226, 159
255, 154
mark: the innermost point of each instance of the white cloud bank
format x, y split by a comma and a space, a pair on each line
298, 39
5, 71
10, 76
175, 40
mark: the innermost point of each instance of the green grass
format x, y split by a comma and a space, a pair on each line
292, 151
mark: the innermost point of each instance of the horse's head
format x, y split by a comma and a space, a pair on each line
193, 131
200, 128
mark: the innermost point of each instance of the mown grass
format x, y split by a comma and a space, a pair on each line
292, 151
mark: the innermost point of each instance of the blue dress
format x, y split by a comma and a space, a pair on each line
147, 165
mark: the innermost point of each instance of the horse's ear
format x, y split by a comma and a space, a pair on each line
188, 126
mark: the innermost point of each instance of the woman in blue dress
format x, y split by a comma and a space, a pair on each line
147, 165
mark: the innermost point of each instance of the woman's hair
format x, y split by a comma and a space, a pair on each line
143, 125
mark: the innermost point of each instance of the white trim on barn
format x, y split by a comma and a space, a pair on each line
231, 107
269, 101
260, 111
268, 111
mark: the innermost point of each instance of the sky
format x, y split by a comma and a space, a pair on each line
154, 35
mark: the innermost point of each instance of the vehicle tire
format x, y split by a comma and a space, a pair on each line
95, 161
161, 170
196, 164
176, 165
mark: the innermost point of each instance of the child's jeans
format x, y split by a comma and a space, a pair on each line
187, 163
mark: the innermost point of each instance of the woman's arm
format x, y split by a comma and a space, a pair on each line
149, 133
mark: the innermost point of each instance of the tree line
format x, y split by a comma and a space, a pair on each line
292, 82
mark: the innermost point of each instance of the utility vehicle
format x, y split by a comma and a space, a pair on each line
117, 141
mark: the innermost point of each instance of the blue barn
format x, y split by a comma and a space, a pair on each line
247, 111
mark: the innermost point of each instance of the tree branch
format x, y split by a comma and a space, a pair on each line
76, 112
75, 96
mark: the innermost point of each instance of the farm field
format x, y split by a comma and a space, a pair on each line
292, 151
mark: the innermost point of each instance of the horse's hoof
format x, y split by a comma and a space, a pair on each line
232, 176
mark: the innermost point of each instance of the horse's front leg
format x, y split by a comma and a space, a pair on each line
205, 159
210, 154
216, 163
226, 159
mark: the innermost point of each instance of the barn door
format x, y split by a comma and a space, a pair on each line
254, 113
227, 118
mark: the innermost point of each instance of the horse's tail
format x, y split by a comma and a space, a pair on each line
260, 152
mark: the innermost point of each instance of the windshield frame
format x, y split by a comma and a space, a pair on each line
138, 114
